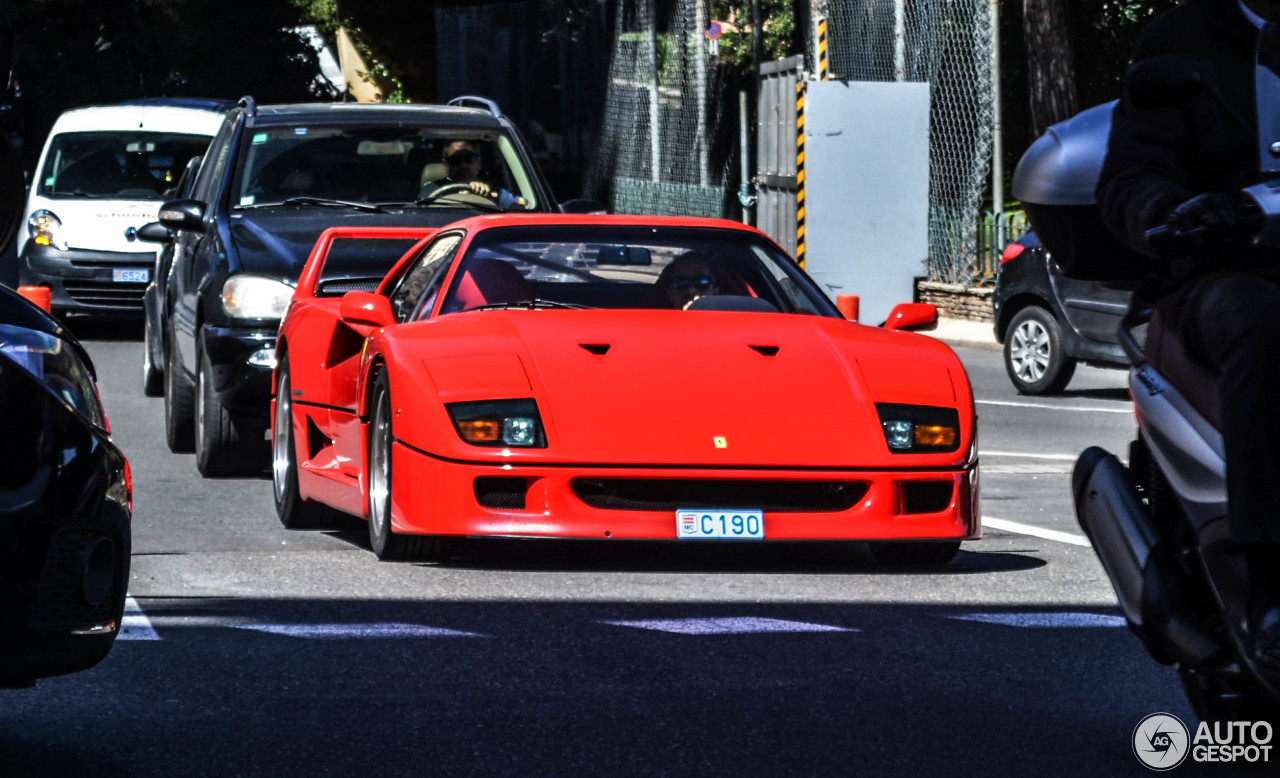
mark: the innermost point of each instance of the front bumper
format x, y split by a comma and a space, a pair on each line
81, 280
242, 382
433, 496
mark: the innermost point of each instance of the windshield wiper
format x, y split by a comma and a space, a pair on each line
536, 302
304, 200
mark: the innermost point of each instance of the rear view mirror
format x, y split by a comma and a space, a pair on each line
624, 255
366, 309
912, 316
186, 215
1164, 82
154, 232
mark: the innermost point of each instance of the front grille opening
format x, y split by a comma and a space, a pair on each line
105, 294
670, 494
501, 492
925, 496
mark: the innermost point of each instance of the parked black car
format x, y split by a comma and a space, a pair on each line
273, 179
1048, 322
66, 503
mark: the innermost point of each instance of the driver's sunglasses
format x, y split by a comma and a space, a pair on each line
681, 283
461, 158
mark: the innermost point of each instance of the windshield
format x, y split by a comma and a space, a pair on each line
631, 267
55, 365
380, 164
118, 165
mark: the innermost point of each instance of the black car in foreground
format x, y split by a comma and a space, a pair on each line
273, 179
65, 503
1048, 322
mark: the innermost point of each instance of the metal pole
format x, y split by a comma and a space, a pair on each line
744, 170
700, 62
655, 129
900, 40
997, 130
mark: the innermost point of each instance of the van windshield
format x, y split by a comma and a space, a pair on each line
117, 165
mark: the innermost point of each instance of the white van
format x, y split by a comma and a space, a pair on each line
102, 175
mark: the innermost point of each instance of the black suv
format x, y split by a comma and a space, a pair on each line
273, 179
1047, 322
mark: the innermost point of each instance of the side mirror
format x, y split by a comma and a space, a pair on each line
366, 309
186, 215
912, 316
154, 232
581, 206
1163, 82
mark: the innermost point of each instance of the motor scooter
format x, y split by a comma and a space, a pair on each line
1158, 522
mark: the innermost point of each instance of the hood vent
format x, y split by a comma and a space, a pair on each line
768, 351
599, 349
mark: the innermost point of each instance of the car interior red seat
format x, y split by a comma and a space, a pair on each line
489, 281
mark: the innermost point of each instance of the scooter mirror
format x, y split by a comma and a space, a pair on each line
1164, 82
1267, 84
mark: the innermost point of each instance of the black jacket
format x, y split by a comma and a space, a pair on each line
1158, 158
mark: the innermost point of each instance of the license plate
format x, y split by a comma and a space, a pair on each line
131, 275
714, 523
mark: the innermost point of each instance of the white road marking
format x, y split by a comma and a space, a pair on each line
1045, 620
1020, 455
1038, 532
740, 625
135, 625
1047, 406
349, 631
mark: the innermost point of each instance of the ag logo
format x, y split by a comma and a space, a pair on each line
1160, 741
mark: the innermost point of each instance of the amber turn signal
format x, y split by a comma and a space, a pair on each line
480, 430
935, 435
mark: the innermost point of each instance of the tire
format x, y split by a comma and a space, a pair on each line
225, 446
931, 553
1033, 354
179, 405
293, 511
387, 544
1226, 698
152, 376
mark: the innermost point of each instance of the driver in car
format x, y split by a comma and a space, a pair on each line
1185, 165
464, 166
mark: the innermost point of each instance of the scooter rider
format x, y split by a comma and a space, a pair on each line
1184, 165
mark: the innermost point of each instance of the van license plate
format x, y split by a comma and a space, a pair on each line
721, 524
131, 275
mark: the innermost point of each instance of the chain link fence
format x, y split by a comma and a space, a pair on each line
946, 43
666, 142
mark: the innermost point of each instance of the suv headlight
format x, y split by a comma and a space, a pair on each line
255, 297
43, 227
917, 429
513, 423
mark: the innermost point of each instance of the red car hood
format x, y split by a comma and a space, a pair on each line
693, 387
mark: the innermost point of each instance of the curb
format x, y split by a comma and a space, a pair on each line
966, 333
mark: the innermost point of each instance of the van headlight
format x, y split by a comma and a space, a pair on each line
43, 227
918, 429
255, 297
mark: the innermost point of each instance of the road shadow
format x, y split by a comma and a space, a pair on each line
91, 328
1106, 393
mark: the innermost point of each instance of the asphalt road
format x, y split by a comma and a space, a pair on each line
249, 650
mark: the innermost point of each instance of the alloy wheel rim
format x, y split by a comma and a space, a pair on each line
379, 477
1030, 351
280, 440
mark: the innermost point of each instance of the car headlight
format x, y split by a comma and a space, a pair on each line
915, 429
513, 423
255, 297
43, 226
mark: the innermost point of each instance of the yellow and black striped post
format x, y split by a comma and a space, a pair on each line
800, 172
823, 68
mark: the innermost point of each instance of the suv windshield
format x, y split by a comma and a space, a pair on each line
380, 165
118, 165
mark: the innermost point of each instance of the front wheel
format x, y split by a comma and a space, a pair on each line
1033, 353
178, 402
225, 445
930, 553
387, 544
293, 511
152, 376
